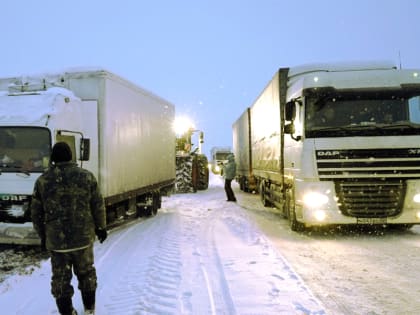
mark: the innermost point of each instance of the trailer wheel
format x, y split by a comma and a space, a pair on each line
157, 203
294, 224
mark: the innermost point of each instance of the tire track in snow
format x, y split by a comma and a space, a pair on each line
148, 285
253, 262
204, 262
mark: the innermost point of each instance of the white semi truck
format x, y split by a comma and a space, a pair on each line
219, 156
117, 130
337, 144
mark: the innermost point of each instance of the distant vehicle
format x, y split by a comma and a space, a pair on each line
218, 158
335, 144
117, 130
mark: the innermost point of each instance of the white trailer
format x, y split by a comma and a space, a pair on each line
242, 146
339, 144
117, 130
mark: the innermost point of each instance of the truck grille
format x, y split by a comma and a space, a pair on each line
14, 211
370, 199
369, 183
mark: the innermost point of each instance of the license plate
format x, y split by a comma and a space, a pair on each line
371, 220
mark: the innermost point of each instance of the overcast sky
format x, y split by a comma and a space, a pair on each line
210, 58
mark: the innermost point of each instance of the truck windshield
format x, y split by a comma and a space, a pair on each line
24, 149
221, 155
362, 116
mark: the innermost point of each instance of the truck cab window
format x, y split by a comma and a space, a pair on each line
24, 148
369, 114
414, 109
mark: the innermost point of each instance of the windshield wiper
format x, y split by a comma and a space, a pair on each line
402, 125
329, 128
18, 168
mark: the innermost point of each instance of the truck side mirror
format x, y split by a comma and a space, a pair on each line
84, 149
290, 111
289, 129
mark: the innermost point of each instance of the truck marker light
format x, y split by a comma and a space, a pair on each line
416, 198
415, 74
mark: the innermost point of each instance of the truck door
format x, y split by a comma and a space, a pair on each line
90, 130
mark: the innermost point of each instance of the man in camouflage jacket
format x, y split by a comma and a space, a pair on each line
67, 212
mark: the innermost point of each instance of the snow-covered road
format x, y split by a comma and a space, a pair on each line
199, 255
353, 271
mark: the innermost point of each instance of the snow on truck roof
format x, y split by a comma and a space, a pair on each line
60, 77
351, 75
37, 106
49, 77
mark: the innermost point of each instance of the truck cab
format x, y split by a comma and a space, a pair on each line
219, 157
339, 144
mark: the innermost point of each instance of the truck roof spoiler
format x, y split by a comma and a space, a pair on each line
341, 66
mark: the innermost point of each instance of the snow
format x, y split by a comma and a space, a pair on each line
198, 255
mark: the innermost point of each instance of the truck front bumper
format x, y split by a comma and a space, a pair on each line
327, 212
18, 233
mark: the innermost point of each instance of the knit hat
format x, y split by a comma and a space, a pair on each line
61, 152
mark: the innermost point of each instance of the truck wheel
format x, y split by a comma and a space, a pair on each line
157, 202
263, 196
295, 225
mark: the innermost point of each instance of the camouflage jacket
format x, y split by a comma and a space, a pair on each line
67, 206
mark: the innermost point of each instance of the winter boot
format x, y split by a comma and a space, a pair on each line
88, 298
65, 306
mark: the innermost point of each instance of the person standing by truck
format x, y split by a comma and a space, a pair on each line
229, 173
67, 210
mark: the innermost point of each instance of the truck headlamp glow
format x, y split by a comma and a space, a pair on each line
416, 198
320, 215
315, 199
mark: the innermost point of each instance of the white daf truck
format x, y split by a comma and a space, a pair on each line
117, 130
218, 158
338, 144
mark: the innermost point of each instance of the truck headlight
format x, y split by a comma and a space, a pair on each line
315, 199
416, 198
320, 215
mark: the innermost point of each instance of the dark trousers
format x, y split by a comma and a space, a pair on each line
228, 189
62, 264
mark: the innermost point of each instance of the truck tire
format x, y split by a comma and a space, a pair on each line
156, 203
265, 201
289, 204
